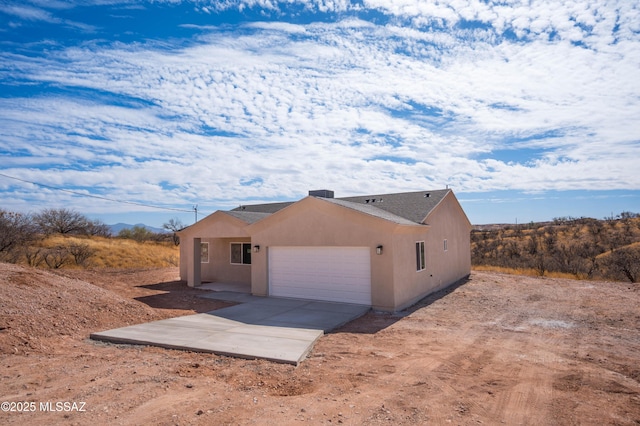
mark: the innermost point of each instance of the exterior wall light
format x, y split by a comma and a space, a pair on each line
379, 249
256, 248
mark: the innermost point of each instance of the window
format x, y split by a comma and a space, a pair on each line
241, 253
204, 252
420, 261
445, 245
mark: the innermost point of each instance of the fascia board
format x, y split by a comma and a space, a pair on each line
218, 215
455, 199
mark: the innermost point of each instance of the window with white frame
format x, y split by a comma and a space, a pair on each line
241, 253
420, 256
204, 252
445, 245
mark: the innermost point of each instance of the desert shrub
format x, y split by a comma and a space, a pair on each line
565, 247
624, 263
137, 233
17, 231
34, 255
81, 253
56, 257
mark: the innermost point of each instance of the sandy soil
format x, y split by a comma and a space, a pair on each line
498, 349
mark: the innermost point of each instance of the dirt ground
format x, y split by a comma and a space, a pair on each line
497, 349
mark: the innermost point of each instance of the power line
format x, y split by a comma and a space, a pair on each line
95, 196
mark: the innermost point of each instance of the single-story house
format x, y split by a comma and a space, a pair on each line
387, 251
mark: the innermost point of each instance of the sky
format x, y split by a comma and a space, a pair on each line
142, 111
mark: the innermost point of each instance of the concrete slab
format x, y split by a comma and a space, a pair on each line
249, 313
228, 296
281, 330
210, 333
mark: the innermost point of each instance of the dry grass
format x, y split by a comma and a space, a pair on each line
529, 272
119, 253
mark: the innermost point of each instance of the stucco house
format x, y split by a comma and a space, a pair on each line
387, 251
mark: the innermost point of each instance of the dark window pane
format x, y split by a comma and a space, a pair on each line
246, 258
236, 253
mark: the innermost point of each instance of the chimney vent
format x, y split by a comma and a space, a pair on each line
322, 193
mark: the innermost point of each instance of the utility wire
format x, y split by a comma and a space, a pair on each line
95, 196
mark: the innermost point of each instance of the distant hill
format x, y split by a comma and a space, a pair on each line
115, 229
566, 247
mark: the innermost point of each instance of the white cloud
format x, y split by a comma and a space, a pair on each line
283, 27
347, 105
275, 5
29, 13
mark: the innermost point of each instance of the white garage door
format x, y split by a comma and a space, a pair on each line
337, 274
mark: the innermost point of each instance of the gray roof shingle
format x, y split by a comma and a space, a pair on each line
248, 217
403, 208
370, 210
263, 208
413, 206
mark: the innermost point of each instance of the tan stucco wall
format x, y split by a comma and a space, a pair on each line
185, 257
219, 268
219, 229
443, 268
409, 283
315, 222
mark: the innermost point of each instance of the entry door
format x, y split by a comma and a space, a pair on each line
337, 274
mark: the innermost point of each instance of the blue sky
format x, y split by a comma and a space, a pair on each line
527, 110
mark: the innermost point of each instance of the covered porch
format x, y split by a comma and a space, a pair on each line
221, 260
217, 249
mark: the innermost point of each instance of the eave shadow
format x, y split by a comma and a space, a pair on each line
177, 295
375, 321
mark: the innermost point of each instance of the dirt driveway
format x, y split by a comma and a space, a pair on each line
499, 349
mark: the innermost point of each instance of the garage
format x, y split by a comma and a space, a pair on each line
336, 274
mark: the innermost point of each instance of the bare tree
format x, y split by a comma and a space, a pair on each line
629, 215
98, 228
625, 262
34, 255
589, 253
532, 244
174, 225
16, 232
61, 221
539, 264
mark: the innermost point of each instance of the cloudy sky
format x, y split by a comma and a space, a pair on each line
528, 110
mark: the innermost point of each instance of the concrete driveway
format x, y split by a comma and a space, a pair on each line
276, 329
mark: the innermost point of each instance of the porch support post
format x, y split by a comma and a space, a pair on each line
196, 277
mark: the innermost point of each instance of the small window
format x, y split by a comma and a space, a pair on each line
420, 258
445, 245
204, 252
241, 253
